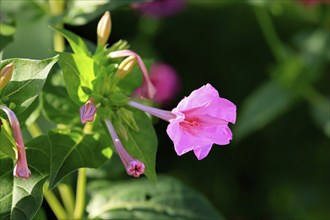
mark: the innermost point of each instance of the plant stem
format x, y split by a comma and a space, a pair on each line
34, 129
67, 198
54, 204
56, 9
270, 34
80, 194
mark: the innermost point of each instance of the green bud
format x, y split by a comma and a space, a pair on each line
128, 118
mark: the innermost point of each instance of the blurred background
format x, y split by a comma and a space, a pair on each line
270, 58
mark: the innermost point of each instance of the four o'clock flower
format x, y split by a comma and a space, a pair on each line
199, 121
21, 168
159, 8
148, 89
134, 167
87, 112
166, 81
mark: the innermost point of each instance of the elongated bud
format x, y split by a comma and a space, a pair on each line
133, 166
104, 29
5, 74
148, 89
125, 67
87, 112
21, 168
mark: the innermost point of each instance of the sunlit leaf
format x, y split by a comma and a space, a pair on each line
78, 71
77, 43
142, 199
26, 83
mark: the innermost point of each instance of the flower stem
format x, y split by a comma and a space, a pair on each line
67, 198
56, 9
54, 204
80, 194
34, 129
269, 33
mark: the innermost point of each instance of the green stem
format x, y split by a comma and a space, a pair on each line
54, 204
34, 129
313, 96
56, 9
80, 194
67, 198
270, 34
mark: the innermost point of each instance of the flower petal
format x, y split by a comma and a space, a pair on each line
202, 152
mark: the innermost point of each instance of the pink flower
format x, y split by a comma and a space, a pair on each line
87, 112
160, 8
166, 82
199, 121
148, 89
21, 168
133, 166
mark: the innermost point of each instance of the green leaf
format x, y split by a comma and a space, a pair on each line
142, 144
58, 107
6, 35
78, 70
71, 150
77, 43
141, 199
22, 198
81, 12
7, 142
26, 83
262, 106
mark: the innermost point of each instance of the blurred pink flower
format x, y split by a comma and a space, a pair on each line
199, 121
87, 112
21, 168
166, 82
160, 8
133, 166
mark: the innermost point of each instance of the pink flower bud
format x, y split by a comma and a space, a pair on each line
5, 74
159, 8
133, 166
199, 121
21, 168
87, 112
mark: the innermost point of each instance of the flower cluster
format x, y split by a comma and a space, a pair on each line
199, 121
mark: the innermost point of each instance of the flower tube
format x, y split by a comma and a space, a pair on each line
199, 121
148, 89
21, 168
133, 166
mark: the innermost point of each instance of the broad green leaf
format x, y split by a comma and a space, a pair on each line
7, 142
77, 43
72, 151
6, 35
58, 107
142, 199
26, 83
81, 12
22, 198
262, 106
142, 144
78, 70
